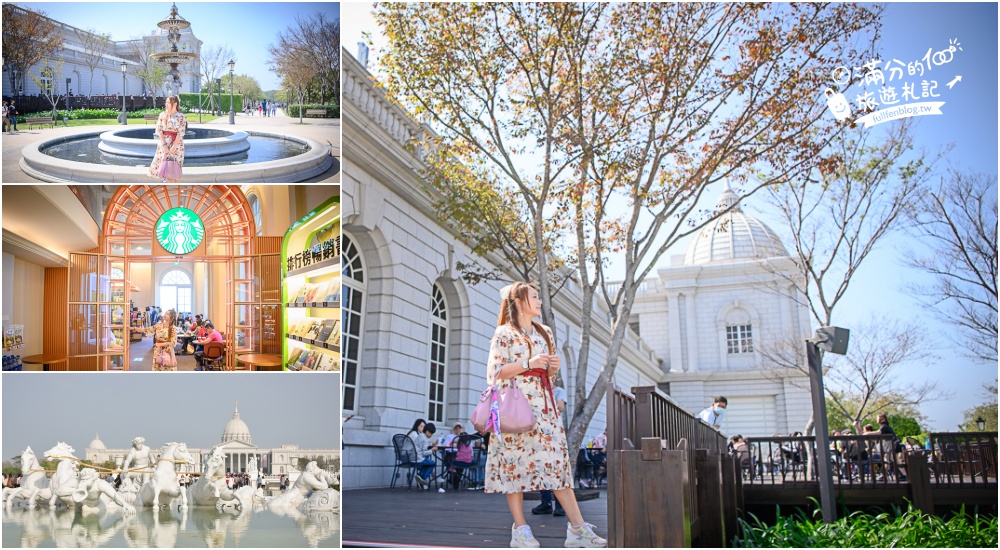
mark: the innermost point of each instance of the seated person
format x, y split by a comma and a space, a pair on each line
462, 457
192, 329
425, 454
213, 336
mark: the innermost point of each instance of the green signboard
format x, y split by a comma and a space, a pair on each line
179, 230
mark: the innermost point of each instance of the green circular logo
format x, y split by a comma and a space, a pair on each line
179, 230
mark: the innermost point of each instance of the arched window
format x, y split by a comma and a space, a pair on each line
175, 291
255, 209
117, 273
439, 356
352, 317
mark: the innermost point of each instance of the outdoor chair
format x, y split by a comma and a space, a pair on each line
466, 475
406, 459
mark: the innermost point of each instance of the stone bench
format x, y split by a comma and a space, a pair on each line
40, 120
315, 112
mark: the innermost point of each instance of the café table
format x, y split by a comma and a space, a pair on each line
260, 360
44, 359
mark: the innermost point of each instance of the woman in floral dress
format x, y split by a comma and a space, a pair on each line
522, 355
170, 128
164, 340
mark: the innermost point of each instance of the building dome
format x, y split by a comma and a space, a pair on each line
733, 236
96, 443
236, 429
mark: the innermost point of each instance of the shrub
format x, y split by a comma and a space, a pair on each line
909, 530
332, 111
190, 101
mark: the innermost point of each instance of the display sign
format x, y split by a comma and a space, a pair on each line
325, 250
179, 230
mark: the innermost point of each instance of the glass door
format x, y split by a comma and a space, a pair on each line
85, 292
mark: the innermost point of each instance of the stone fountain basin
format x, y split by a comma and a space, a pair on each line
315, 161
123, 141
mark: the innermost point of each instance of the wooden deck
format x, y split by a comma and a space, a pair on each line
470, 519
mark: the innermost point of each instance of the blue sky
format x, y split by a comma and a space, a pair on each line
968, 123
40, 409
246, 27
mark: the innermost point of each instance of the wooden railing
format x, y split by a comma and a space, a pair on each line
963, 459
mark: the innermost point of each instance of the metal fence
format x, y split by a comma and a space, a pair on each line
39, 104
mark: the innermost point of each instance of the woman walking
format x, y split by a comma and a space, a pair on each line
170, 127
522, 355
164, 340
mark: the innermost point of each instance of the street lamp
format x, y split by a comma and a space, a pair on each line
232, 112
981, 424
832, 340
218, 94
68, 80
124, 116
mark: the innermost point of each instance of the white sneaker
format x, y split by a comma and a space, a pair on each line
584, 537
521, 537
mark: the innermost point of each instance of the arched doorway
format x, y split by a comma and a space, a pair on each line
208, 227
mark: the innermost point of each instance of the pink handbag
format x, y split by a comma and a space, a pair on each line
169, 169
506, 410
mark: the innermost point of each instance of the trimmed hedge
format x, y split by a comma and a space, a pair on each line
190, 101
332, 111
89, 114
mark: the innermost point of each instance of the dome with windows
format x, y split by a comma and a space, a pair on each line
734, 236
236, 429
96, 444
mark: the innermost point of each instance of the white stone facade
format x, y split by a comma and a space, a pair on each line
107, 74
237, 445
734, 274
395, 253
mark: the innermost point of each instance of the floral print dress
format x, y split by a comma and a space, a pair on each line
537, 459
163, 357
172, 128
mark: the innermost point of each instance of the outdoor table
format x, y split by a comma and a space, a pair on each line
43, 359
260, 360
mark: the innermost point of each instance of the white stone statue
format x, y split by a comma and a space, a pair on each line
137, 459
210, 488
64, 481
33, 480
252, 469
312, 479
164, 482
90, 489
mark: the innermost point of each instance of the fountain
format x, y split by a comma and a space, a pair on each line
80, 508
123, 155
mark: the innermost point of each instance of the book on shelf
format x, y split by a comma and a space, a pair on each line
311, 292
334, 337
325, 329
294, 355
327, 362
332, 290
303, 329
313, 333
300, 295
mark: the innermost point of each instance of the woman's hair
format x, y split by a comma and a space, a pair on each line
882, 418
417, 425
172, 99
170, 326
509, 312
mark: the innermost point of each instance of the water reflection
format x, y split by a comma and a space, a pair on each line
203, 527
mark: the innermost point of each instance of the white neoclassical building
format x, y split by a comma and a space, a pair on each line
107, 75
712, 313
237, 444
416, 335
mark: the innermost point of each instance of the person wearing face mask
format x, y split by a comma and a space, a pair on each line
716, 413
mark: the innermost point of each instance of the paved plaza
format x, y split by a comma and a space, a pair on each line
323, 130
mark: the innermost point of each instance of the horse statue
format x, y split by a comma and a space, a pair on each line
32, 482
210, 489
64, 481
164, 481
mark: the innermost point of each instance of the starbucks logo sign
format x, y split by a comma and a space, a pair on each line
179, 230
